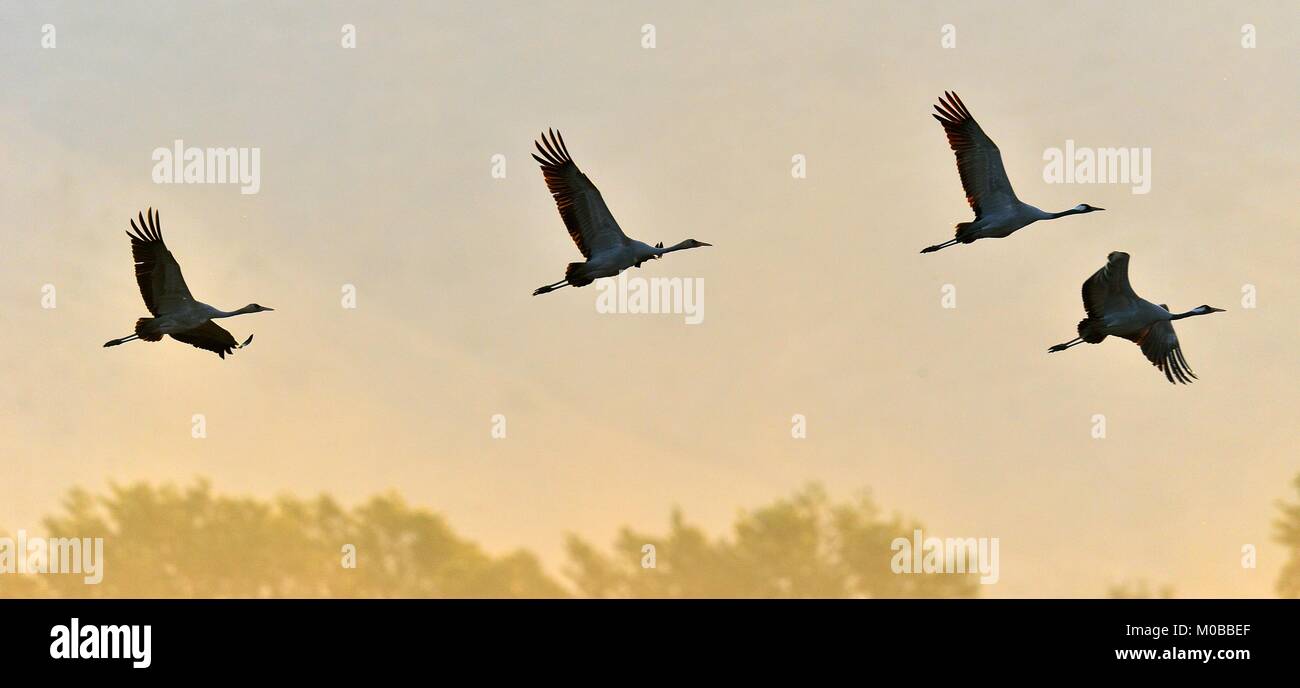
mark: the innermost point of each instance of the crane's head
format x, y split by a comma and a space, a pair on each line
256, 308
1085, 208
691, 243
1206, 310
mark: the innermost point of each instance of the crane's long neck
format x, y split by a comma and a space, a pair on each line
1188, 314
229, 314
675, 247
1063, 213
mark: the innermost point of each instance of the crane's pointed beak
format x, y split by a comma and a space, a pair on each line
267, 308
705, 244
1217, 310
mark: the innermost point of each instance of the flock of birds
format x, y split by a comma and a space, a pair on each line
1112, 307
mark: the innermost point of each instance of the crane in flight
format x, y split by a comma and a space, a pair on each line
1114, 309
998, 212
175, 311
591, 226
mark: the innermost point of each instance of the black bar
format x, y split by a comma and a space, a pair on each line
935, 635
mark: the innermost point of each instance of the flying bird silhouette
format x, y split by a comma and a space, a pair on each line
998, 212
175, 311
1114, 309
591, 226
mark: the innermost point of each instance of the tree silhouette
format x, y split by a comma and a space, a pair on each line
1288, 533
168, 542
803, 546
1139, 589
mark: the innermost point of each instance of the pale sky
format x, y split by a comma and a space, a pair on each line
375, 172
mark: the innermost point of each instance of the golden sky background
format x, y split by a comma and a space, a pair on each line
375, 171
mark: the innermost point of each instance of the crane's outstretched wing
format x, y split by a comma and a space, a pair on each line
1108, 289
979, 162
1159, 344
588, 219
156, 270
210, 336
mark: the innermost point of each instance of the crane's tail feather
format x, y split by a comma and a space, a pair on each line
575, 277
1091, 330
144, 331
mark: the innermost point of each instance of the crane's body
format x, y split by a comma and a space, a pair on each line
188, 316
608, 251
1115, 310
1129, 322
1003, 221
175, 311
610, 262
998, 213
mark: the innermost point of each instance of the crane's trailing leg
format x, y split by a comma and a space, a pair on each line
936, 247
1066, 345
123, 340
144, 331
551, 287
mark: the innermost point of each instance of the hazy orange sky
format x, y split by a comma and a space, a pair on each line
375, 172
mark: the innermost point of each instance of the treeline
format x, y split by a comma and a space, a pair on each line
170, 541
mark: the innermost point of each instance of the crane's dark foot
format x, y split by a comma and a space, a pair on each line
552, 287
112, 342
946, 244
1058, 347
